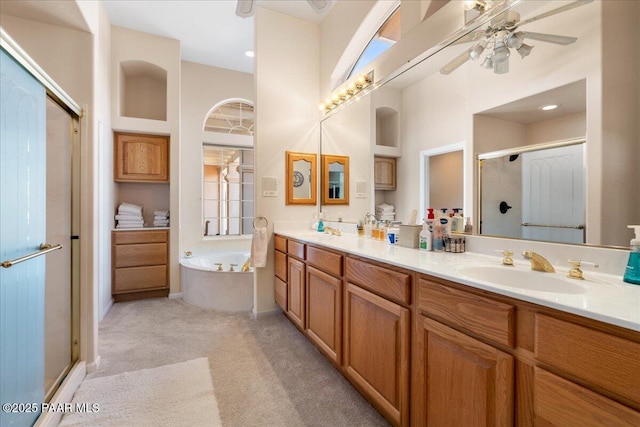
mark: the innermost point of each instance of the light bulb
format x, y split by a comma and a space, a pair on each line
476, 51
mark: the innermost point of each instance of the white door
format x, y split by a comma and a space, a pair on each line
553, 194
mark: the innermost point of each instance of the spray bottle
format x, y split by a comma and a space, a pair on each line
632, 273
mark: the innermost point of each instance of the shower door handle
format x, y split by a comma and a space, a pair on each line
45, 248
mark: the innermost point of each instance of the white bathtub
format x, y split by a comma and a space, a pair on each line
204, 286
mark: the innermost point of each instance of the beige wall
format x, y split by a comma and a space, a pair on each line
286, 94
202, 88
130, 45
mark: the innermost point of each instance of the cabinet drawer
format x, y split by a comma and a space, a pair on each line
280, 243
132, 237
139, 278
280, 289
605, 360
281, 265
328, 262
296, 249
558, 402
483, 316
387, 283
140, 255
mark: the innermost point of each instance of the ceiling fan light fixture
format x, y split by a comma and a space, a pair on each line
487, 63
500, 52
515, 40
524, 50
476, 51
501, 67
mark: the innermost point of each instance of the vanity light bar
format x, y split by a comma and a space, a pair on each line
346, 92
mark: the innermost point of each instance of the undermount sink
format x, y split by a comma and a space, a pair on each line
521, 278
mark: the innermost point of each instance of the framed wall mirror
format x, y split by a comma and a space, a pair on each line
335, 180
301, 178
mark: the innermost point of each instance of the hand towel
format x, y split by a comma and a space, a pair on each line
259, 246
164, 214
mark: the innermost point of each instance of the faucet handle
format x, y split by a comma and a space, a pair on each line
507, 260
219, 264
575, 272
231, 267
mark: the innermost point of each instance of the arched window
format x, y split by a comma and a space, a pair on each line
228, 177
385, 37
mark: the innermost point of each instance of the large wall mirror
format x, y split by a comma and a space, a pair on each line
590, 73
301, 178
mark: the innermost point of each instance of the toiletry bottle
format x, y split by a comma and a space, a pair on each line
632, 273
454, 220
360, 229
426, 237
468, 228
320, 223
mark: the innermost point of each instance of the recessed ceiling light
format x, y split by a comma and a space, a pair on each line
249, 53
549, 107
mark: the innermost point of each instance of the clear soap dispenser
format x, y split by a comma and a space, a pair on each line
632, 273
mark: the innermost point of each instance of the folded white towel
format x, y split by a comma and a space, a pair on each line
164, 218
139, 223
259, 246
129, 217
129, 226
128, 208
164, 214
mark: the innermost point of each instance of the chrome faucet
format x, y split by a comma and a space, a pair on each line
206, 228
538, 262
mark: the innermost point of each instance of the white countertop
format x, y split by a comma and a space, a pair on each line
140, 229
606, 297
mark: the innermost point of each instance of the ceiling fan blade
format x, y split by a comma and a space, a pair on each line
456, 62
549, 38
564, 8
245, 8
471, 37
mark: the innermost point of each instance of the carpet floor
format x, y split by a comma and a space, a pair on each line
264, 371
178, 394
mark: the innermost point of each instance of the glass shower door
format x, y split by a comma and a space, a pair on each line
22, 231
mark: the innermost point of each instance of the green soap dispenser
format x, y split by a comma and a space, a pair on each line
632, 273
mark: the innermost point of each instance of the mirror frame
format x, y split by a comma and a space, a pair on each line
292, 157
327, 159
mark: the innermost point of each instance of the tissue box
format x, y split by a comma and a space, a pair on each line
409, 236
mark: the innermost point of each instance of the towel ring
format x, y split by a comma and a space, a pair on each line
260, 218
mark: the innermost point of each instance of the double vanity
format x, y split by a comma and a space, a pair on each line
444, 339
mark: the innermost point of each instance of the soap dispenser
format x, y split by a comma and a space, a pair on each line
632, 273
321, 222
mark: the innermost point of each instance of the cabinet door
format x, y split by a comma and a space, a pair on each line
141, 158
376, 351
384, 173
324, 313
558, 402
460, 381
296, 292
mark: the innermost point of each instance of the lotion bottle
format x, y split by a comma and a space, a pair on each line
320, 223
426, 238
632, 273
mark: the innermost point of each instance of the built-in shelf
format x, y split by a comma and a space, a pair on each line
143, 90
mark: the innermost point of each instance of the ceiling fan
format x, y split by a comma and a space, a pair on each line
501, 35
245, 8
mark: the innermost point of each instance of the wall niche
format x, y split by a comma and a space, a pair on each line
143, 90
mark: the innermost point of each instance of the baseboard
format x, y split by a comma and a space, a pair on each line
63, 395
93, 366
177, 295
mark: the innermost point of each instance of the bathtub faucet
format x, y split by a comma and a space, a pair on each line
206, 228
246, 265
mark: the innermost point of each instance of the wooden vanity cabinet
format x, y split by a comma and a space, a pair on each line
486, 359
377, 330
139, 264
324, 302
296, 283
141, 158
